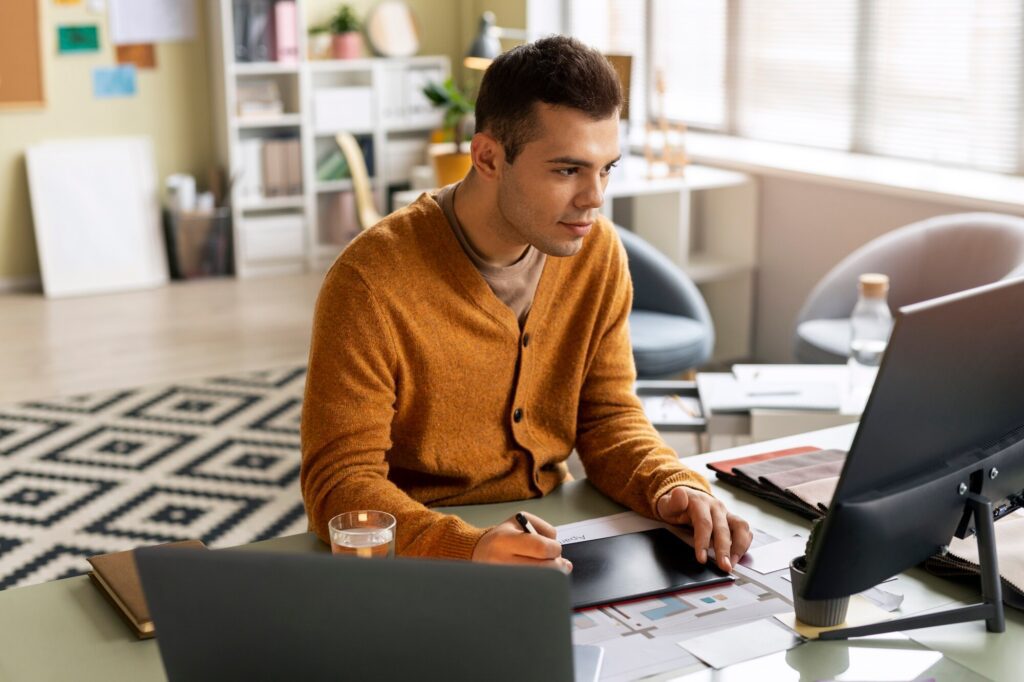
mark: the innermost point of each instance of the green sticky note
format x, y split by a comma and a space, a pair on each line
78, 39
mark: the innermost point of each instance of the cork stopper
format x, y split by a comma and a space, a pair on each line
874, 285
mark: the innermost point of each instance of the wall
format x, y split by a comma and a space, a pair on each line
171, 107
804, 229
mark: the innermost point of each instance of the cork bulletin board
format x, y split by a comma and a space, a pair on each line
21, 65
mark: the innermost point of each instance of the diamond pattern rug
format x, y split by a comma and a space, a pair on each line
215, 459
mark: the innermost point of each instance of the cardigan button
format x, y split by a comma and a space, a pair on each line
517, 416
526, 340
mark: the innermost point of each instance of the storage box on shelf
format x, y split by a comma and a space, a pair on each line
275, 123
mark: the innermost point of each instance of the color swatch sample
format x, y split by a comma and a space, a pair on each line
72, 39
115, 81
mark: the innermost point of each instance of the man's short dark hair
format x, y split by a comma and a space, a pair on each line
560, 71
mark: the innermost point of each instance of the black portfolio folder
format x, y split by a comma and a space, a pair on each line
635, 565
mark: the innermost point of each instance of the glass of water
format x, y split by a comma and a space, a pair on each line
366, 534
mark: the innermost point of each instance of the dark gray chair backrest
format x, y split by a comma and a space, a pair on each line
659, 285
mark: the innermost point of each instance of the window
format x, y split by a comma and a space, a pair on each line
934, 80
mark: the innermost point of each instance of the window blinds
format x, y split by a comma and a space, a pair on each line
942, 82
934, 80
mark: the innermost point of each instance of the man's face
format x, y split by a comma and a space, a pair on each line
550, 195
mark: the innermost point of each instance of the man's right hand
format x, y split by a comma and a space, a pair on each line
507, 543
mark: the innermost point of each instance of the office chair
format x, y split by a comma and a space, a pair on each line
366, 211
926, 259
669, 326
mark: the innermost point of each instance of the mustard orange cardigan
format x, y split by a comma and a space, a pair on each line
423, 390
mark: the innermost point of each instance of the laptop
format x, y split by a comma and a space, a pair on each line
231, 615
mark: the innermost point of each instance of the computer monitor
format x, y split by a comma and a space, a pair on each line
940, 442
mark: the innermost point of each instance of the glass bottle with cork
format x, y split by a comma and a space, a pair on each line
870, 326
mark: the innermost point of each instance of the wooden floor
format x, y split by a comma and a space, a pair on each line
189, 329
185, 330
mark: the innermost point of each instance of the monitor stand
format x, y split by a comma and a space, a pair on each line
991, 607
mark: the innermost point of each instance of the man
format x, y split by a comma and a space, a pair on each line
466, 344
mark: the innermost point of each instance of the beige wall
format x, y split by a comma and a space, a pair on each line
805, 229
171, 107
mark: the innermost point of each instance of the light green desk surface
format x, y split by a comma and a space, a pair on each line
65, 630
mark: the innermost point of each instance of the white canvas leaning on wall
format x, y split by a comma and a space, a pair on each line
96, 210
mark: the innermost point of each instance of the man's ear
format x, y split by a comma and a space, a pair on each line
488, 155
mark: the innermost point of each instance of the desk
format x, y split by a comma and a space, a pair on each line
64, 630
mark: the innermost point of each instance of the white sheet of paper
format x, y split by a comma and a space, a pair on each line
791, 374
152, 21
606, 527
740, 643
774, 556
728, 394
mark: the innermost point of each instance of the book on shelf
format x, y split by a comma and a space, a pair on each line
269, 167
265, 30
250, 182
258, 34
293, 176
259, 98
286, 46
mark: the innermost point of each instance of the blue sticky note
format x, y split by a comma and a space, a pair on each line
113, 81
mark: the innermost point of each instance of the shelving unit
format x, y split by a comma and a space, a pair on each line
395, 130
706, 222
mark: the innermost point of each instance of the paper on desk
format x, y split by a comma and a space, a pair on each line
740, 643
732, 395
774, 556
782, 374
606, 527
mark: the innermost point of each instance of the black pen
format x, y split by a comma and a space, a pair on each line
525, 524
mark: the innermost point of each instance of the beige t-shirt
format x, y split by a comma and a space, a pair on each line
515, 284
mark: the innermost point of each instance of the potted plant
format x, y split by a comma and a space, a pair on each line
451, 161
320, 42
816, 612
346, 40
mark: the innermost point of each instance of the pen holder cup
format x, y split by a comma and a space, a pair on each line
814, 612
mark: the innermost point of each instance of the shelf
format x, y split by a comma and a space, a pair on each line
358, 132
703, 268
414, 125
271, 203
334, 186
264, 68
340, 65
282, 121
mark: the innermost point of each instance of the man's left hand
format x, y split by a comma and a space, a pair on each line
713, 526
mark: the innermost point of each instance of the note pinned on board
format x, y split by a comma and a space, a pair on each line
114, 81
142, 55
73, 39
152, 21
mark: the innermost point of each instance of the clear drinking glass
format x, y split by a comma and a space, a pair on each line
366, 534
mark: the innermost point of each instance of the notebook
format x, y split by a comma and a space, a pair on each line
634, 565
117, 577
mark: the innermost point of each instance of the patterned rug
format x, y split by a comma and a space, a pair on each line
215, 459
